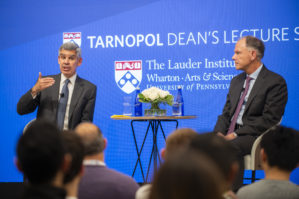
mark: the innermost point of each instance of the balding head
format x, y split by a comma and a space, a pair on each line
92, 138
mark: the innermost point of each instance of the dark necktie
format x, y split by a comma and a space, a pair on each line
241, 101
62, 104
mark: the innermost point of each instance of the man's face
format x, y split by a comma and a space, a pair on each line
68, 62
243, 56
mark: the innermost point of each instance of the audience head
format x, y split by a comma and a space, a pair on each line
40, 152
178, 139
74, 147
220, 151
280, 148
187, 174
92, 138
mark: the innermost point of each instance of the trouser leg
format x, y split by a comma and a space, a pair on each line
242, 145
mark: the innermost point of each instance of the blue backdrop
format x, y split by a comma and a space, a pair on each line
180, 42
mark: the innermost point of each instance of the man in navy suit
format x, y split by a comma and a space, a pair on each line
264, 100
48, 91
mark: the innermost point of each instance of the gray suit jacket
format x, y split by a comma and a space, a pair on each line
265, 105
81, 107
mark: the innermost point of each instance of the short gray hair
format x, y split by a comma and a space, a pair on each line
71, 46
256, 44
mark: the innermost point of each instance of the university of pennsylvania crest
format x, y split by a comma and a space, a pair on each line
128, 75
74, 37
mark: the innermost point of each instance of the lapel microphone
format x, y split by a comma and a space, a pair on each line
61, 95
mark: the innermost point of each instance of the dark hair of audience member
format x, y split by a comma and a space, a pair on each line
218, 149
40, 152
187, 174
281, 146
73, 146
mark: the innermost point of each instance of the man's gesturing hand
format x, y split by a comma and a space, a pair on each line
41, 84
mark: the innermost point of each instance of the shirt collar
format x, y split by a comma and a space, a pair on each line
93, 163
256, 72
72, 79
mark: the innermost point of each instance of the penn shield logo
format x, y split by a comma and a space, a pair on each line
74, 37
128, 75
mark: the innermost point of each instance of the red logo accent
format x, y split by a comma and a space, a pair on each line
71, 35
128, 65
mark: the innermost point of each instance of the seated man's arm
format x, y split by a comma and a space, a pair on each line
272, 112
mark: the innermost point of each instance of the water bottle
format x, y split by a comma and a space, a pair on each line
180, 100
138, 105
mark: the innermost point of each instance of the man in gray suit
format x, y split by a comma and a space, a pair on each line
64, 98
255, 102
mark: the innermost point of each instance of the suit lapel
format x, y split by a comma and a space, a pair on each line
55, 91
78, 89
259, 82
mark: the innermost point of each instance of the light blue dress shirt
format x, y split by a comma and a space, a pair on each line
254, 76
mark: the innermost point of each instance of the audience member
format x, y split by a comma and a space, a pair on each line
99, 181
178, 139
189, 175
222, 153
41, 157
74, 147
279, 156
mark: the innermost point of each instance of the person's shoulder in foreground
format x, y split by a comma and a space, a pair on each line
271, 189
103, 182
279, 157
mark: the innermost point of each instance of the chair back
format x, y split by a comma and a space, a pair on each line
252, 161
27, 125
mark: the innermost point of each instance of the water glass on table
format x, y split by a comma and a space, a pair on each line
127, 106
176, 109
